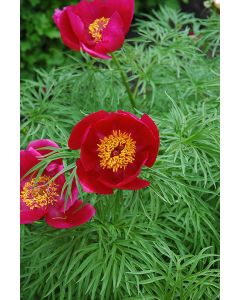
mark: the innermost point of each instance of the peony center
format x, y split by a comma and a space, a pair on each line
39, 194
116, 150
96, 28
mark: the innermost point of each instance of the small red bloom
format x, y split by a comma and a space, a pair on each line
114, 147
97, 27
42, 198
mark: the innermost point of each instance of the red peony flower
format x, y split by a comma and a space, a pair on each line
114, 147
43, 198
97, 27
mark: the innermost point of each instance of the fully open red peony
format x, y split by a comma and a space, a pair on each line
97, 27
42, 198
114, 147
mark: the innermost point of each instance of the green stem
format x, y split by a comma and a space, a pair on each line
117, 201
125, 81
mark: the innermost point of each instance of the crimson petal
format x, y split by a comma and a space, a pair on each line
27, 161
89, 181
126, 10
68, 36
154, 150
79, 130
113, 35
74, 216
37, 144
28, 216
136, 184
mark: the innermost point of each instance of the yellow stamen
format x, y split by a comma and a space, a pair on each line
116, 151
96, 28
39, 194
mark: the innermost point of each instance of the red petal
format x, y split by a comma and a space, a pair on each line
125, 8
34, 146
154, 150
89, 154
112, 36
89, 11
136, 184
37, 144
68, 36
74, 216
57, 15
28, 216
27, 161
94, 53
77, 25
79, 130
89, 181
151, 125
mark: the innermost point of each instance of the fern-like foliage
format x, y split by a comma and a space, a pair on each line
158, 243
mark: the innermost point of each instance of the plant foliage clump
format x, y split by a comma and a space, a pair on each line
161, 242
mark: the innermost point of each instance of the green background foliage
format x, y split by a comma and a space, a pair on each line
157, 243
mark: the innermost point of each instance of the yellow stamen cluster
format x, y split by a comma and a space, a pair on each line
116, 151
96, 28
39, 194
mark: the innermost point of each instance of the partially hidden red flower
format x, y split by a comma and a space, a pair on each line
42, 197
114, 147
98, 27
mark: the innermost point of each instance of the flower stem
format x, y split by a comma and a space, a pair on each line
124, 80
